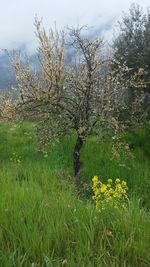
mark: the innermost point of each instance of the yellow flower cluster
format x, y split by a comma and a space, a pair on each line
15, 159
112, 194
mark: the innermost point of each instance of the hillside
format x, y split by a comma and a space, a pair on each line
44, 223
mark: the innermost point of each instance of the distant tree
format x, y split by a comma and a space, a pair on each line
147, 47
83, 96
132, 48
133, 42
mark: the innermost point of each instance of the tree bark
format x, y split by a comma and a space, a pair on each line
78, 164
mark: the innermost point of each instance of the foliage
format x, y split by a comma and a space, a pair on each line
15, 159
43, 223
109, 195
131, 47
7, 107
82, 96
133, 41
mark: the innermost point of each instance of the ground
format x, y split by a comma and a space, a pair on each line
44, 223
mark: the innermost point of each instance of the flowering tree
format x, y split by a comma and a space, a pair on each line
7, 107
83, 95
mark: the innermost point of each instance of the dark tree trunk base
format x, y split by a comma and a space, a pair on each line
78, 164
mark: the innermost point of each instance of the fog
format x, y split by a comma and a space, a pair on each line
17, 17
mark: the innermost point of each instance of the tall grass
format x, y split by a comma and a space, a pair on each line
43, 223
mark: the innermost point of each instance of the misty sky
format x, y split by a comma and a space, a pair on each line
17, 17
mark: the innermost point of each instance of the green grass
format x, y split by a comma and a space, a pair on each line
43, 223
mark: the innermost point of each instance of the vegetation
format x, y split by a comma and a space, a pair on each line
109, 195
74, 104
131, 47
44, 223
76, 96
133, 41
86, 95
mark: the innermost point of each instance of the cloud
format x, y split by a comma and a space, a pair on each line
17, 17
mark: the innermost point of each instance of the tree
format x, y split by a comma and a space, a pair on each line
80, 96
132, 44
131, 47
7, 107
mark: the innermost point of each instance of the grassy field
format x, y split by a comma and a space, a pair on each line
44, 224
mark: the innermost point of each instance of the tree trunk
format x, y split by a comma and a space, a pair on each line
78, 164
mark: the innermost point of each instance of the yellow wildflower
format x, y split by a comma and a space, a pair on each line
110, 194
103, 188
95, 179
